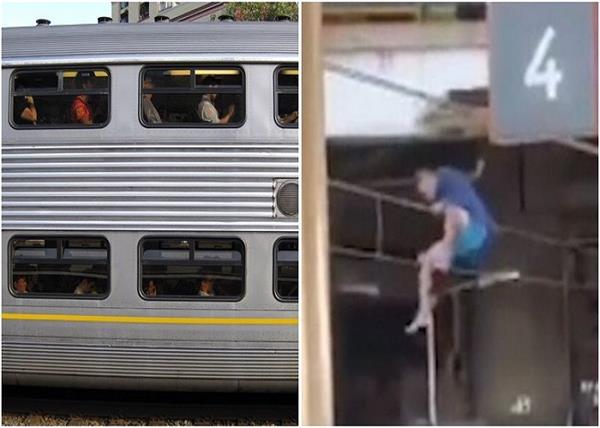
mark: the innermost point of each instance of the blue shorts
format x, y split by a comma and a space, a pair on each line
471, 247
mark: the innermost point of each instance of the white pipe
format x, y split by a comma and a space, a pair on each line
431, 372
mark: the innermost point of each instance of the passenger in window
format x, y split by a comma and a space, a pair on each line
81, 111
26, 110
206, 287
151, 289
21, 286
151, 115
86, 286
289, 118
207, 112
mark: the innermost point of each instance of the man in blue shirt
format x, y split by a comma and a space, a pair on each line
468, 232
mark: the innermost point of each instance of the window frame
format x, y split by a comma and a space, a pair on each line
168, 5
279, 297
190, 90
276, 92
12, 94
146, 15
59, 296
191, 298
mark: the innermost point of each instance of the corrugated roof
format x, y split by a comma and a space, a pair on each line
245, 41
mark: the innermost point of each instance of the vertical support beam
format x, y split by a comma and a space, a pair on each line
115, 11
134, 11
316, 387
379, 231
431, 372
568, 267
456, 322
154, 10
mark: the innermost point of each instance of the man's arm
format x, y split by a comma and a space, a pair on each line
455, 220
225, 119
30, 114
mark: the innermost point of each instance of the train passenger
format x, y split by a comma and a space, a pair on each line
151, 289
21, 286
81, 111
207, 111
86, 286
150, 112
28, 112
289, 118
207, 287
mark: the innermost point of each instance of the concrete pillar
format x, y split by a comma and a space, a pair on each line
115, 11
134, 11
316, 396
154, 10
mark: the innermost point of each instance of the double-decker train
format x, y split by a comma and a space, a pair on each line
149, 206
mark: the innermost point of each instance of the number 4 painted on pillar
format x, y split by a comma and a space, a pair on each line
550, 76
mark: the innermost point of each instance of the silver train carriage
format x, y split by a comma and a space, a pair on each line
150, 203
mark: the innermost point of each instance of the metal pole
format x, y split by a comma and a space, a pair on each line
379, 233
568, 274
316, 377
431, 371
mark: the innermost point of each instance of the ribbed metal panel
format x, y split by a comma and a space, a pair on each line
150, 362
132, 41
150, 187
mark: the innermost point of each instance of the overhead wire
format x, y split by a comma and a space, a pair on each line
470, 275
418, 206
363, 77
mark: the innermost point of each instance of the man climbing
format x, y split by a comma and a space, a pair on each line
468, 232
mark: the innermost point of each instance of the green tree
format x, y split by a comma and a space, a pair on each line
250, 11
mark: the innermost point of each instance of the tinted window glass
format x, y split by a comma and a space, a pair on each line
210, 269
286, 269
286, 96
192, 96
60, 98
60, 267
38, 80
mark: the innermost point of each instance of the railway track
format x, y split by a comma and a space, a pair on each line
20, 404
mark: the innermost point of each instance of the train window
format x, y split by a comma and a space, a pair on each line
60, 267
65, 98
144, 10
199, 268
286, 269
192, 97
286, 96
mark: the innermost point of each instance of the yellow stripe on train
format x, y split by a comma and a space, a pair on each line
149, 320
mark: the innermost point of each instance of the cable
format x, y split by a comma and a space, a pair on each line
474, 275
374, 194
381, 82
361, 76
537, 237
362, 254
417, 206
474, 175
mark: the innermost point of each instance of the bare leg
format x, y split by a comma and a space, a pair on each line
437, 257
